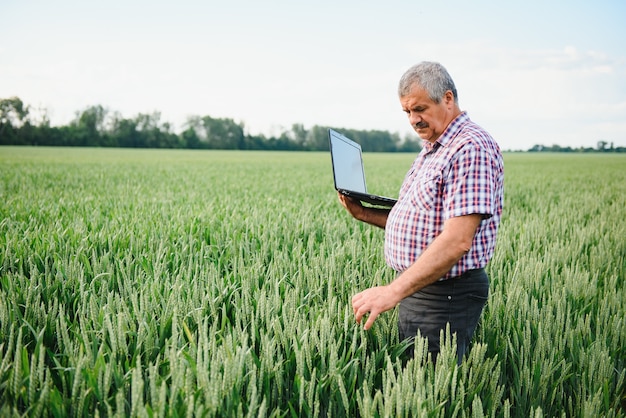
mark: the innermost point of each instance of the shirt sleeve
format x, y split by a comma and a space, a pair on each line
470, 185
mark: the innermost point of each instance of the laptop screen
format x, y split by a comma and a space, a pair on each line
347, 163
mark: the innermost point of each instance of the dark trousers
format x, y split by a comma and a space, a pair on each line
458, 301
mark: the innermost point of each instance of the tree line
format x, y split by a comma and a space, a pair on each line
601, 146
96, 126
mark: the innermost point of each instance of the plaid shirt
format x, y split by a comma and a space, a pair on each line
461, 173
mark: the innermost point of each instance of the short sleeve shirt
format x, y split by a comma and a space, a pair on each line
461, 173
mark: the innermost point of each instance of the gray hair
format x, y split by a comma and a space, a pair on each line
432, 77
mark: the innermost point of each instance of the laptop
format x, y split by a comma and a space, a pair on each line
348, 171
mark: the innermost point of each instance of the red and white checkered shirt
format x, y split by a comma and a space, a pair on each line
462, 173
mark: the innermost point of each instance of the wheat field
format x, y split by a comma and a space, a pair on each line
158, 283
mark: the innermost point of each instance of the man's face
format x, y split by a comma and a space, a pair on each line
428, 119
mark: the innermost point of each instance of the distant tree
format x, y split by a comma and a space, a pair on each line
50, 135
297, 135
124, 132
13, 112
217, 133
194, 135
13, 115
38, 129
317, 139
375, 141
410, 143
189, 139
88, 126
558, 148
257, 142
153, 133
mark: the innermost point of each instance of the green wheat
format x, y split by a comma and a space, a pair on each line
209, 283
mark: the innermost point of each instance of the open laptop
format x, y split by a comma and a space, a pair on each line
348, 171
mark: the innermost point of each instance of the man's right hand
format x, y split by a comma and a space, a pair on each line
372, 216
353, 206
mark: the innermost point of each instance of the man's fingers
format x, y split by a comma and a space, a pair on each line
371, 317
358, 314
360, 306
371, 302
370, 320
360, 310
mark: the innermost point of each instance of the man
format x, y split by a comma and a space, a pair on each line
442, 231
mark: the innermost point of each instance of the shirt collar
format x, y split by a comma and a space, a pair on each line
448, 135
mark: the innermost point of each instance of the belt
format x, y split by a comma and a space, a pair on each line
465, 275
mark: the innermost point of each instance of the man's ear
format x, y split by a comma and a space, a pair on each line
448, 97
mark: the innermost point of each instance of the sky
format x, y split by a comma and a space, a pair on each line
531, 72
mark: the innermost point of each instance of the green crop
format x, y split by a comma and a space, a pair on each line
218, 283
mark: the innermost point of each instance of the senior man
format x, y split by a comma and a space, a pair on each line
441, 233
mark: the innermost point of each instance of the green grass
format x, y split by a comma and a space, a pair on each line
198, 283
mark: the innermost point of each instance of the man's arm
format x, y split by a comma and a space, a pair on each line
441, 255
373, 216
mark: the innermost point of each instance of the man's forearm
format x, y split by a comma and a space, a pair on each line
375, 216
370, 215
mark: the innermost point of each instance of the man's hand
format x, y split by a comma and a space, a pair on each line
353, 206
373, 302
370, 215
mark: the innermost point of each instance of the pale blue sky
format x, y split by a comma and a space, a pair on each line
530, 72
